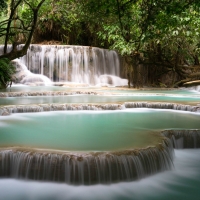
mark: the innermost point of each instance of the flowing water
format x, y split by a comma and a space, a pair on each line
101, 143
97, 99
183, 182
93, 131
180, 182
81, 132
72, 63
110, 90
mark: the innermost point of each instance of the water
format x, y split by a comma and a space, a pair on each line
104, 95
25, 100
180, 183
96, 131
109, 90
92, 131
79, 64
183, 182
68, 64
89, 131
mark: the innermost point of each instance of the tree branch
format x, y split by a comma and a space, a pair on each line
15, 53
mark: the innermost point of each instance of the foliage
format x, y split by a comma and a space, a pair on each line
3, 5
6, 72
162, 36
57, 20
16, 28
19, 26
68, 22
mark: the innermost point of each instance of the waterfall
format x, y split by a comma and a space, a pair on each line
183, 138
195, 88
7, 110
86, 168
24, 76
157, 105
77, 64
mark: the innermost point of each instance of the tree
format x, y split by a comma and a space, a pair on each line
155, 38
19, 27
173, 48
161, 36
3, 5
67, 22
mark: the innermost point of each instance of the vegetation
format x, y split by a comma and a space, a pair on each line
3, 5
16, 27
19, 26
155, 37
157, 40
6, 72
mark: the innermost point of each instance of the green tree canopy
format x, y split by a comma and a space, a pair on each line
162, 36
19, 26
3, 5
16, 28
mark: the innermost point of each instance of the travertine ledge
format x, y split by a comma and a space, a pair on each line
7, 110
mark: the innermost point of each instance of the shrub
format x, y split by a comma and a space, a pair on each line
6, 72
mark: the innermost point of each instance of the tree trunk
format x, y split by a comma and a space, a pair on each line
16, 53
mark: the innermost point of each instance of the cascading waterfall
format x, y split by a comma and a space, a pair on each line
6, 110
48, 93
72, 64
183, 138
196, 88
158, 105
86, 168
78, 64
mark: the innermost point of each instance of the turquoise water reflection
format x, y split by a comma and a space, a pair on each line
93, 130
97, 99
181, 183
24, 88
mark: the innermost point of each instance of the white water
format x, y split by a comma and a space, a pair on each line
152, 188
24, 76
71, 64
195, 88
77, 64
181, 183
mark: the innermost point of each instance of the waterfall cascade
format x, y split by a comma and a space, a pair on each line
86, 168
8, 109
158, 105
76, 64
183, 138
79, 64
24, 76
196, 88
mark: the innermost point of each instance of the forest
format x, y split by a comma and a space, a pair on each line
158, 40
